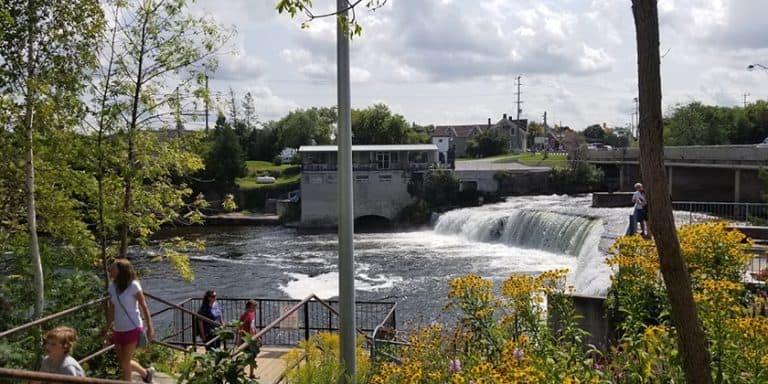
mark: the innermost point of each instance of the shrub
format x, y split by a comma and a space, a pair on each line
578, 177
322, 363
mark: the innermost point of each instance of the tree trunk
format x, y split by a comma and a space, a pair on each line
34, 247
132, 126
692, 340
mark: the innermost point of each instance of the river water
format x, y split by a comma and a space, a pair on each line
528, 234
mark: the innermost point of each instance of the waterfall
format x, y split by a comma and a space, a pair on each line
555, 232
544, 230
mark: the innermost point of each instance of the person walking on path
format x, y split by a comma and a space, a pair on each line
641, 208
125, 300
210, 309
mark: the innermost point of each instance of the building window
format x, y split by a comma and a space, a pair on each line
385, 178
382, 160
316, 179
361, 178
439, 140
331, 179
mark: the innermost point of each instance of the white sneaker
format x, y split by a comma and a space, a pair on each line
150, 375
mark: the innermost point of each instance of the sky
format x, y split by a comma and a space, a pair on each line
448, 62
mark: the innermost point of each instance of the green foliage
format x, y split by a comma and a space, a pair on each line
218, 365
594, 133
699, 124
489, 143
263, 144
306, 127
317, 361
578, 177
437, 188
378, 125
225, 161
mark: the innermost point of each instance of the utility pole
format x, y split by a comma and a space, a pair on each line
745, 99
545, 121
345, 200
637, 113
518, 98
207, 96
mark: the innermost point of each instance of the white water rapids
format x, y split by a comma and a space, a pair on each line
529, 234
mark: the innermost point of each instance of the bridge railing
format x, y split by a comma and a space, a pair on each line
745, 213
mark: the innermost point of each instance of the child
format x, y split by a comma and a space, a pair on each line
248, 326
248, 319
58, 344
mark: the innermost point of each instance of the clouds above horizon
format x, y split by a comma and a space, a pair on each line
443, 61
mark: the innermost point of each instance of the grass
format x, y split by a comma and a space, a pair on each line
259, 168
534, 160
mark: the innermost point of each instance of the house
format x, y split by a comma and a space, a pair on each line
513, 131
286, 155
381, 175
458, 136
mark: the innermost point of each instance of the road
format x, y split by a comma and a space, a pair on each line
491, 165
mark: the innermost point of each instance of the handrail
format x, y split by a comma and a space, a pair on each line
168, 303
53, 377
285, 315
51, 317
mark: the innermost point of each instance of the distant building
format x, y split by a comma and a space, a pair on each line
513, 131
286, 155
381, 174
457, 136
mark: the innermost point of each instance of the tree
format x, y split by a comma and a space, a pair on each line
45, 51
158, 40
692, 340
263, 144
594, 133
225, 161
378, 125
249, 110
488, 143
304, 127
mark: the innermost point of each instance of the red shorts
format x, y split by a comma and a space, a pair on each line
127, 337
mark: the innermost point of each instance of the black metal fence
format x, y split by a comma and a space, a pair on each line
300, 325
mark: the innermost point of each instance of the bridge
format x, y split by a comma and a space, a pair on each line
727, 173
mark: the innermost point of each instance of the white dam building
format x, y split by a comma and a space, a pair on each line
381, 174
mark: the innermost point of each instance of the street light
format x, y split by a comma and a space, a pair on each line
753, 66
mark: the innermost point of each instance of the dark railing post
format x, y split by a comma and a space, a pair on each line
306, 321
330, 321
261, 314
183, 334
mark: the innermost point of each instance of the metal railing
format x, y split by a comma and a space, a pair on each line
375, 167
90, 335
746, 213
296, 324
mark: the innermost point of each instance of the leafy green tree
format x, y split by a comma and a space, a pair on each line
488, 143
263, 144
158, 40
304, 127
378, 125
594, 133
45, 53
225, 161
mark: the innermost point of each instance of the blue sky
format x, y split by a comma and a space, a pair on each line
455, 61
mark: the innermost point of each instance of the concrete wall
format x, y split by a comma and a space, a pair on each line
715, 154
593, 320
699, 183
383, 193
612, 199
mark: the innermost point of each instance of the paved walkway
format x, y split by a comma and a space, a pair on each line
271, 367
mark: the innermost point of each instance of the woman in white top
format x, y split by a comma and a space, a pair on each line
126, 298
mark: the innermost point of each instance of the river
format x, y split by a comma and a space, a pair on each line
528, 234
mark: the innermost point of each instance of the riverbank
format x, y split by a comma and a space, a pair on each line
242, 218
